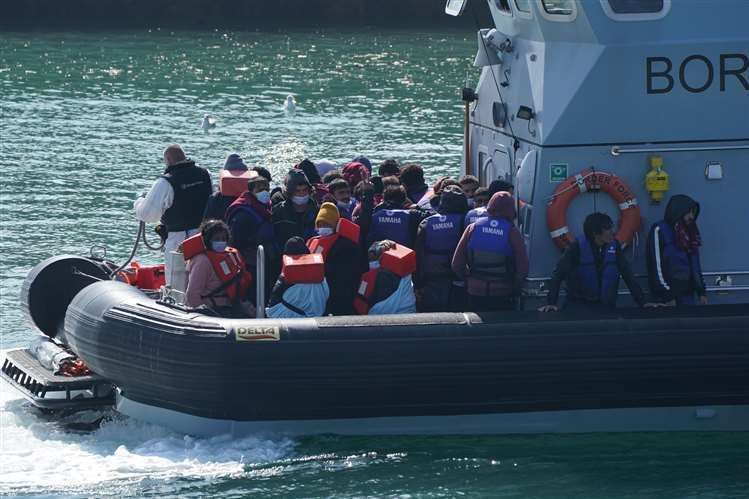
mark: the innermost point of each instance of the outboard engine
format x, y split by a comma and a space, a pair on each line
50, 287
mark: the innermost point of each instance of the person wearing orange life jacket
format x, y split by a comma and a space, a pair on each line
216, 275
301, 289
385, 289
338, 242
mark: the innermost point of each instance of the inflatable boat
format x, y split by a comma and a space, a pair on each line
633, 370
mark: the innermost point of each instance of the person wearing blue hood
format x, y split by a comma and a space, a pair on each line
364, 161
673, 255
297, 299
438, 288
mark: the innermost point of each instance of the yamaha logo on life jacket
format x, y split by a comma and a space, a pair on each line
493, 229
389, 218
443, 225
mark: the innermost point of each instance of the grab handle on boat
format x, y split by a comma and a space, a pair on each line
260, 284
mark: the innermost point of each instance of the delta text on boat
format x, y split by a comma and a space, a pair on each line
582, 96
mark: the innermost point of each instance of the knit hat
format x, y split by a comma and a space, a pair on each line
324, 166
328, 213
355, 173
363, 160
294, 179
234, 162
309, 169
295, 246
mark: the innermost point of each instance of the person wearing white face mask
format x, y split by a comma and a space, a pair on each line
216, 275
338, 241
295, 216
250, 221
341, 192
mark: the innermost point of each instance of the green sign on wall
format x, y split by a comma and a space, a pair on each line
558, 172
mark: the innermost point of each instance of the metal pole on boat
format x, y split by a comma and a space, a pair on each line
260, 284
469, 95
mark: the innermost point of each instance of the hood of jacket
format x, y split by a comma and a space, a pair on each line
678, 206
502, 205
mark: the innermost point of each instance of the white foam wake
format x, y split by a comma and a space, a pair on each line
40, 456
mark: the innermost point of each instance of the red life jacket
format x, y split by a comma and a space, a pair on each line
322, 244
400, 261
303, 269
228, 266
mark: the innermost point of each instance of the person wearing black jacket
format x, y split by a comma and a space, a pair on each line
673, 255
591, 266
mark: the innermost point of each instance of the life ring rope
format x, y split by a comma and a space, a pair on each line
592, 180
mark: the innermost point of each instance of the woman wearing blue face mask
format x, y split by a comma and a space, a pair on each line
216, 274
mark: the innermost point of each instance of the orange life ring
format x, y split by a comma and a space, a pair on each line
592, 180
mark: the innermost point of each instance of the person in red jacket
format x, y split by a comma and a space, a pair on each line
492, 258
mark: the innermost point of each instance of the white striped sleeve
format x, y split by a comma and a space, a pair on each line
658, 266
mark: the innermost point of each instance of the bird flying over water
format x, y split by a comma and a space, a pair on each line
289, 106
208, 122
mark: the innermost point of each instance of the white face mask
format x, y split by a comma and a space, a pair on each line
263, 196
218, 246
374, 265
300, 200
343, 205
324, 231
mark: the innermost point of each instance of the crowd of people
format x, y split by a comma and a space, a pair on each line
341, 240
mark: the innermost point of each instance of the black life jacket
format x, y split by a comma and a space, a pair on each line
192, 188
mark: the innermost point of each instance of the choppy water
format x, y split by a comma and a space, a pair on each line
84, 119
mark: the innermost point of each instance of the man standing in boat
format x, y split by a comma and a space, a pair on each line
177, 199
592, 266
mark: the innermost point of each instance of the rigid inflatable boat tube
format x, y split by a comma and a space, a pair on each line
409, 365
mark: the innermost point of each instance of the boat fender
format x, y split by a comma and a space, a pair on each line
232, 182
592, 180
303, 269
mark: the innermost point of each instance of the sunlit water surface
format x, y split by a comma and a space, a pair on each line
84, 119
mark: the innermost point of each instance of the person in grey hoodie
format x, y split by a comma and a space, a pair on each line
492, 258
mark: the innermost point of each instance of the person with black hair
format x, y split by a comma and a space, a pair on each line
592, 266
340, 192
438, 288
501, 186
389, 167
295, 216
396, 219
469, 184
216, 273
220, 201
481, 199
331, 176
412, 178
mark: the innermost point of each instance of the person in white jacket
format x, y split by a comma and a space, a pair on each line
177, 199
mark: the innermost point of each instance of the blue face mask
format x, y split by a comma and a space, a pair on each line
218, 246
263, 196
343, 205
471, 204
324, 231
300, 200
375, 264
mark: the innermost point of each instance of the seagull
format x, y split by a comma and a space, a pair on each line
208, 122
289, 106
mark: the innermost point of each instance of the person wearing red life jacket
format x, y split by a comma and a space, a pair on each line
216, 277
301, 289
338, 241
384, 288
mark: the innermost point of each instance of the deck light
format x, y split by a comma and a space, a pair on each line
525, 113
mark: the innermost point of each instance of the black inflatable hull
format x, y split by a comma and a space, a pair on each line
409, 366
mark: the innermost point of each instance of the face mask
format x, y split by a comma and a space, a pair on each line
343, 205
374, 265
218, 246
324, 231
263, 196
300, 200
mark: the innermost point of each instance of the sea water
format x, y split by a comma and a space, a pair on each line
85, 117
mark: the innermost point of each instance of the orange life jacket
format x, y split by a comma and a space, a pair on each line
148, 277
228, 266
233, 182
400, 261
322, 244
303, 269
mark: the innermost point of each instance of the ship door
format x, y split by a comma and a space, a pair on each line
494, 166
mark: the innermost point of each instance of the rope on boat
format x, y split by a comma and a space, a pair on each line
141, 236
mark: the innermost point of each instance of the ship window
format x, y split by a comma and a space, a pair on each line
523, 6
503, 5
636, 6
559, 7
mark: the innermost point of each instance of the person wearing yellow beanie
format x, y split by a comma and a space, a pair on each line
342, 260
327, 219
